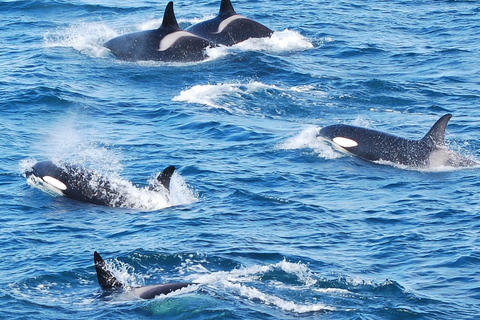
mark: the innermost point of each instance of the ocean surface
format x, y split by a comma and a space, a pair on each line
271, 222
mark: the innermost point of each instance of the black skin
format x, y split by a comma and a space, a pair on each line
237, 31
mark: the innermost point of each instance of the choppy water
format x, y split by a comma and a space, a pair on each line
273, 223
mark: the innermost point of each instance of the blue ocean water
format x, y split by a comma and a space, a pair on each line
272, 222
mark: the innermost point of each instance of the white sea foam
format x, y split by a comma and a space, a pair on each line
308, 138
270, 299
210, 94
231, 96
235, 281
279, 42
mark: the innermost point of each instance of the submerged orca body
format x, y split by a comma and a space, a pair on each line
82, 184
229, 28
168, 43
372, 145
108, 282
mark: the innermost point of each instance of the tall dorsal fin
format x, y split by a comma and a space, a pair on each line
105, 278
226, 9
436, 135
169, 20
165, 176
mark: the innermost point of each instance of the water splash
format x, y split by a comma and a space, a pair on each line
87, 38
308, 139
280, 42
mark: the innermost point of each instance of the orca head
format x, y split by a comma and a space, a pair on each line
342, 135
49, 176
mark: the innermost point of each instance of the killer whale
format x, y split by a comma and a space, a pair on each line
372, 145
229, 28
85, 185
168, 43
107, 281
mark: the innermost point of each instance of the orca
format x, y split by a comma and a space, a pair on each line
229, 28
85, 185
168, 43
372, 145
108, 282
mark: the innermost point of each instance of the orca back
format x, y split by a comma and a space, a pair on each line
229, 28
150, 292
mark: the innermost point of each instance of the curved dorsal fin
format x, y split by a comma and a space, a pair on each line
436, 135
105, 278
226, 8
165, 176
169, 20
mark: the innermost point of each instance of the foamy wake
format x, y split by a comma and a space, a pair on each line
235, 282
211, 95
308, 139
231, 96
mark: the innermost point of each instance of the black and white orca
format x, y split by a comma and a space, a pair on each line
229, 28
168, 43
86, 185
107, 281
372, 145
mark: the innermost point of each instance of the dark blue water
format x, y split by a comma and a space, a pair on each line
272, 222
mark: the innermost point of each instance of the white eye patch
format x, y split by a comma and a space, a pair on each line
55, 183
345, 142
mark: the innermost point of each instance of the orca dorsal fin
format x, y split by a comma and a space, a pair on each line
226, 8
105, 278
436, 134
169, 20
165, 176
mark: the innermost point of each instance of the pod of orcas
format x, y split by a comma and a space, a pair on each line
109, 283
85, 185
170, 43
372, 145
